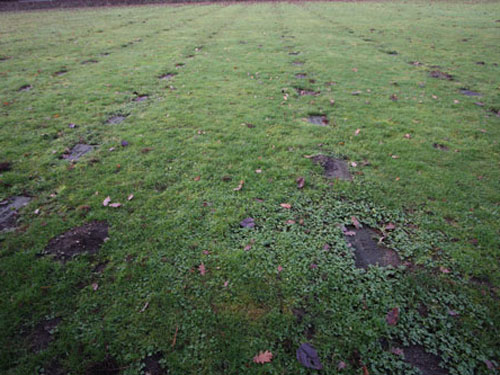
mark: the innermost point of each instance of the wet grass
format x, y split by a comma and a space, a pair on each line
179, 281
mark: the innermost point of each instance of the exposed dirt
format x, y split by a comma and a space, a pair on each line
60, 72
320, 120
439, 146
107, 367
5, 166
168, 76
333, 168
116, 119
367, 251
9, 211
469, 92
77, 152
427, 363
441, 75
305, 92
141, 98
42, 335
152, 365
25, 88
87, 238
54, 368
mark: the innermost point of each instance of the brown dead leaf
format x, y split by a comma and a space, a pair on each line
286, 205
197, 178
240, 186
263, 357
106, 201
300, 182
355, 222
202, 269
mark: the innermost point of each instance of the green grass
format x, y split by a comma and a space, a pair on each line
445, 204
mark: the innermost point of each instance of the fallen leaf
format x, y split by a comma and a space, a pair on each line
392, 316
106, 201
197, 178
240, 186
357, 132
202, 269
308, 357
355, 222
286, 205
350, 233
226, 283
280, 269
453, 313
390, 226
354, 164
489, 364
300, 182
313, 266
354, 70
444, 269
395, 156
248, 247
341, 365
95, 286
146, 305
130, 197
115, 205
408, 136
263, 357
365, 371
258, 171
290, 222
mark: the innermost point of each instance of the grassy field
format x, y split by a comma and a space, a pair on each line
197, 121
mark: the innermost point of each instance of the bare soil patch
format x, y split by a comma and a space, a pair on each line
427, 363
9, 211
441, 75
77, 152
367, 251
42, 335
320, 120
116, 119
152, 365
87, 238
306, 92
333, 168
107, 367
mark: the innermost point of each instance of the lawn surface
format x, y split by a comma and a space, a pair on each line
171, 282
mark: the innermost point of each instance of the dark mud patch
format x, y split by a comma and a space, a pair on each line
439, 146
469, 92
333, 168
25, 88
87, 238
294, 53
307, 92
91, 61
301, 75
141, 98
367, 250
54, 368
77, 152
61, 72
320, 120
440, 75
298, 63
107, 367
152, 365
9, 211
43, 334
116, 119
168, 76
427, 363
5, 166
